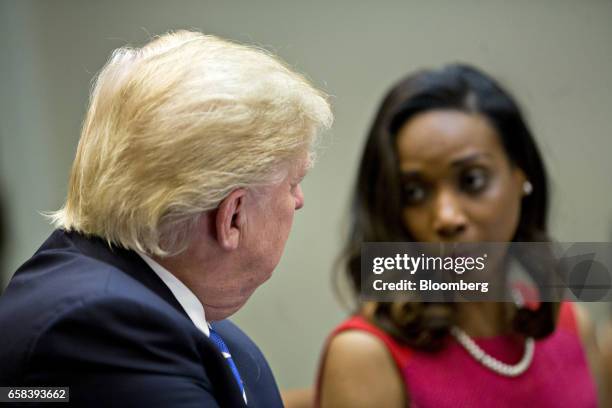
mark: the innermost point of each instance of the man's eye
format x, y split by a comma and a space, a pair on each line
474, 180
413, 193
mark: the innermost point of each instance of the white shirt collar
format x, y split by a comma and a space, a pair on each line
185, 297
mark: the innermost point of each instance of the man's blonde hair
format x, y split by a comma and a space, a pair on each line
175, 126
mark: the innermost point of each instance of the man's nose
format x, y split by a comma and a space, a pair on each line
449, 220
299, 197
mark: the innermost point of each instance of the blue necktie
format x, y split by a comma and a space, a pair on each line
214, 336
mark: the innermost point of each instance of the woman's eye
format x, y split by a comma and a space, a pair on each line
413, 193
474, 180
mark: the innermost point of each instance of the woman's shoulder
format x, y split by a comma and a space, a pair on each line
362, 326
358, 366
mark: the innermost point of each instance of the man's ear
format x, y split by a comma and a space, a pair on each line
230, 219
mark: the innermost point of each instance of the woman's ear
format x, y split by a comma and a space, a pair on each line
230, 219
521, 181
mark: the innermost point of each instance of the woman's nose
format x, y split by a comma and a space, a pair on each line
449, 220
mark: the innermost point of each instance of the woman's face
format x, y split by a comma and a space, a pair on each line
458, 183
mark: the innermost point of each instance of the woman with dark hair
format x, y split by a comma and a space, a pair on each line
449, 158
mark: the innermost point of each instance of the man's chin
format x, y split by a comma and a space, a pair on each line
216, 312
266, 277
220, 312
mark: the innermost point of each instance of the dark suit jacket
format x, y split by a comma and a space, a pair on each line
99, 320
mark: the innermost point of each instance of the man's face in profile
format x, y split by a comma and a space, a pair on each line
266, 216
271, 218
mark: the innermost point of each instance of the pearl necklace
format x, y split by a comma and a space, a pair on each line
493, 364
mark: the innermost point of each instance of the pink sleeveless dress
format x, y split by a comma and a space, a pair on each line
557, 377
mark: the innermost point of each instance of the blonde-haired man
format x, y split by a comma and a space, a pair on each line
180, 200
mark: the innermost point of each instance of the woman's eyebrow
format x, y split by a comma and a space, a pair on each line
415, 174
469, 159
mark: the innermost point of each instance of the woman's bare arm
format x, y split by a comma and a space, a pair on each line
298, 398
359, 372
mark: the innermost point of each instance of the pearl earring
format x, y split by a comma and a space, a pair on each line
527, 187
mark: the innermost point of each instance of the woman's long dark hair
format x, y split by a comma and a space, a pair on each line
376, 203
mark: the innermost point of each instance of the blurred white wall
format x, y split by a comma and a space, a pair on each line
556, 56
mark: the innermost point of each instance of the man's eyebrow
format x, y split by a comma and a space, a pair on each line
303, 170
